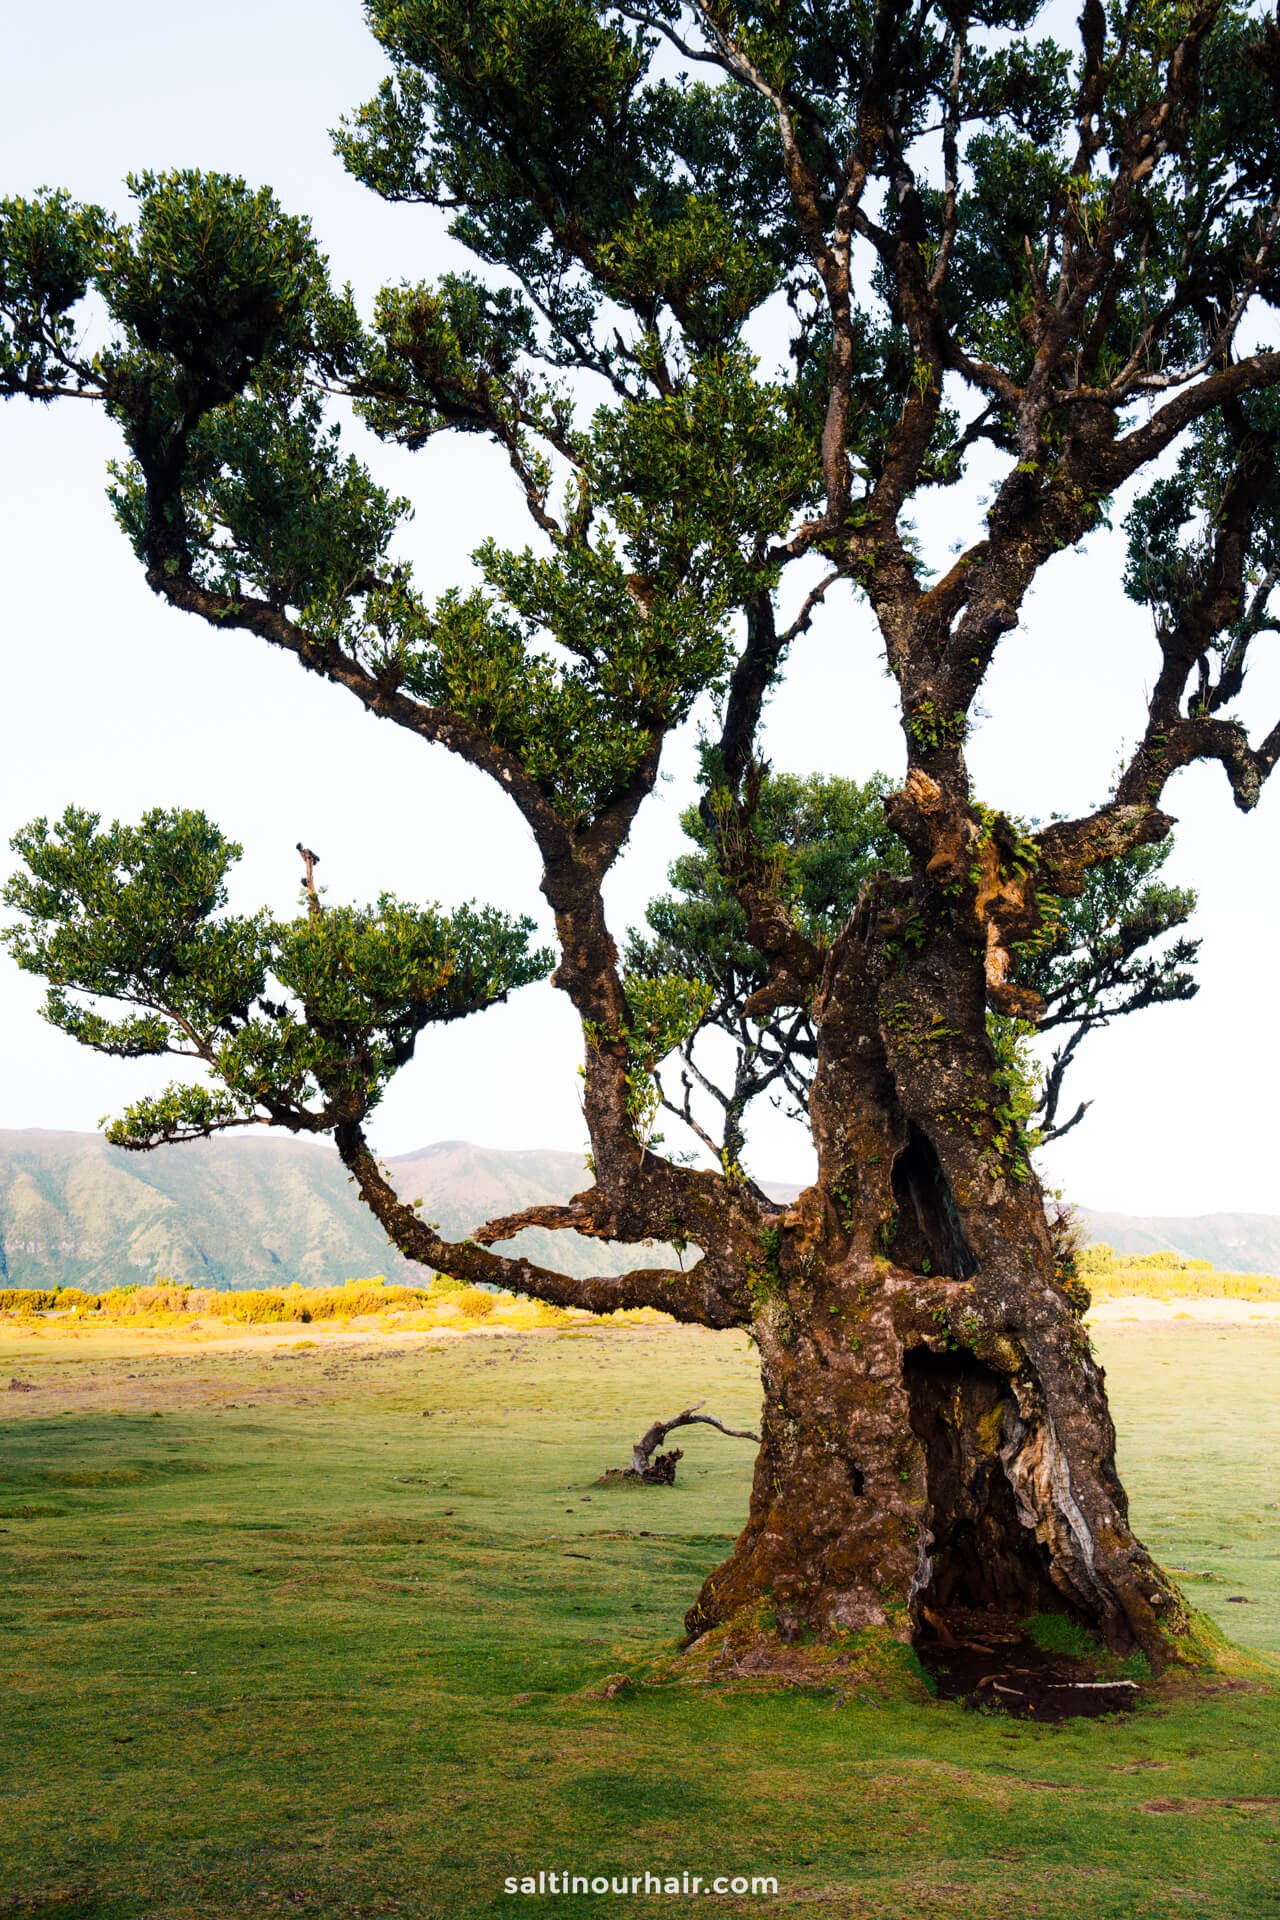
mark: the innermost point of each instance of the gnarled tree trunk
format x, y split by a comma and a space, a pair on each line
937, 1454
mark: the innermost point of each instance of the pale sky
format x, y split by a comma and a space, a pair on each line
115, 702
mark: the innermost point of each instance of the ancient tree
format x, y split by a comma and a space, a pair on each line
749, 281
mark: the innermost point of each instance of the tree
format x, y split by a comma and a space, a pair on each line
829, 838
972, 247
1096, 967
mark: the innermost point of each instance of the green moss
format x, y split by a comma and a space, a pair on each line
764, 1276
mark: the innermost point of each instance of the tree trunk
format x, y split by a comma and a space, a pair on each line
937, 1454
920, 1467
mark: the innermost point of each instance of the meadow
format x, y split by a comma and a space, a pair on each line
329, 1621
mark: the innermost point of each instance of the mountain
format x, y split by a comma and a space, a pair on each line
1235, 1242
219, 1212
461, 1185
236, 1212
257, 1212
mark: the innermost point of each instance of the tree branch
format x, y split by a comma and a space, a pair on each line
645, 1448
696, 1296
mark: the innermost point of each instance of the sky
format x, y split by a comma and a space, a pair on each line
112, 701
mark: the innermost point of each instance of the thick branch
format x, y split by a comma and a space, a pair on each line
578, 1215
1068, 848
694, 1296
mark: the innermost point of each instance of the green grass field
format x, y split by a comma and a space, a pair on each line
275, 1642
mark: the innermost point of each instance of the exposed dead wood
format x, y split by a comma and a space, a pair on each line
660, 1468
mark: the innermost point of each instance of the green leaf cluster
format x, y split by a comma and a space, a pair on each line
1173, 526
301, 1022
1101, 954
824, 839
49, 248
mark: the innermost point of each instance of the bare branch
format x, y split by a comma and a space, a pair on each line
645, 1467
310, 861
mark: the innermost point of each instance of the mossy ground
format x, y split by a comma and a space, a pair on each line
275, 1643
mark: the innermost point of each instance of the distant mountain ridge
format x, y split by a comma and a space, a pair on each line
237, 1212
1235, 1242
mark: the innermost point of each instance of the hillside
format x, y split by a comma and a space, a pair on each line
254, 1212
218, 1212
268, 1211
1235, 1242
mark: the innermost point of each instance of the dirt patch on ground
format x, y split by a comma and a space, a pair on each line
991, 1665
1268, 1803
117, 1369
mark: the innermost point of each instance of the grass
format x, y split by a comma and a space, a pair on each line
318, 1629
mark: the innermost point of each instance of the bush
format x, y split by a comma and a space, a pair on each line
444, 1283
474, 1303
1079, 1297
1185, 1282
256, 1306
136, 1302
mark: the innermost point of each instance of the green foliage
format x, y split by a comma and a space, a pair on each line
1093, 960
665, 1011
274, 508
1017, 1083
444, 356
213, 279
49, 247
225, 325
565, 160
648, 194
302, 1022
1172, 526
1024, 205
824, 837
825, 840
